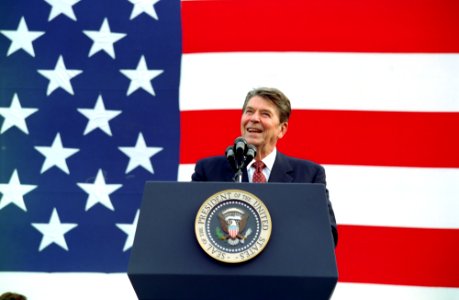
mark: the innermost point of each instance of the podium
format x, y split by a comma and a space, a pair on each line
298, 262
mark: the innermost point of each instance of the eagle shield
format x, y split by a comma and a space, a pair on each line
233, 222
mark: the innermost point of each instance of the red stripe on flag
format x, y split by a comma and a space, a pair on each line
420, 139
405, 256
321, 25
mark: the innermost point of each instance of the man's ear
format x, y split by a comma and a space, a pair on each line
283, 130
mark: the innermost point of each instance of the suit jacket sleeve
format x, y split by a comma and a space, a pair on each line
321, 178
214, 168
199, 172
290, 169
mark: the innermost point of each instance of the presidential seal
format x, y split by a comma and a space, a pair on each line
233, 226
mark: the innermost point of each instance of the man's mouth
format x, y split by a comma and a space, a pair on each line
253, 130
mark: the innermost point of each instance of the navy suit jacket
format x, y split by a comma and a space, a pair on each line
285, 169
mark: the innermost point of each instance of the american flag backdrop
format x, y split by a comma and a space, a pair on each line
96, 97
89, 106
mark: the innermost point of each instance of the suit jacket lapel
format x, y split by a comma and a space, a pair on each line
245, 176
282, 169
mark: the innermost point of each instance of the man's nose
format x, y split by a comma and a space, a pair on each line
255, 117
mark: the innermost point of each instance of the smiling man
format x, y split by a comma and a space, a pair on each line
264, 121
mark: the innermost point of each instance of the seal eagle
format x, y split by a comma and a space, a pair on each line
233, 221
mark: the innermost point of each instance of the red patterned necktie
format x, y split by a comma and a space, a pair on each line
258, 175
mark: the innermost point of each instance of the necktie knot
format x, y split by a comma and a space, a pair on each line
258, 175
259, 165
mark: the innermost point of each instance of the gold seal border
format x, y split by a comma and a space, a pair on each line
238, 195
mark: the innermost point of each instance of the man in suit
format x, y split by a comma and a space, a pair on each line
264, 121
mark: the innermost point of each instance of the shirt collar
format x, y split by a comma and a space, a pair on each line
268, 160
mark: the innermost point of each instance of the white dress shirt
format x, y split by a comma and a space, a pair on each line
268, 161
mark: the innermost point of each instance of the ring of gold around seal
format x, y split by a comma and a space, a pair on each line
232, 197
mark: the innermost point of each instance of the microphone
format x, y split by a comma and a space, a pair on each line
240, 147
229, 153
251, 154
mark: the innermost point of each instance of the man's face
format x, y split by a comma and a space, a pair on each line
260, 125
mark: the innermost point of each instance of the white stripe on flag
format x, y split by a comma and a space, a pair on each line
116, 286
313, 80
184, 172
360, 291
395, 196
388, 196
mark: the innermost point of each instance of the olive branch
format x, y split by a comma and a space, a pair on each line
219, 233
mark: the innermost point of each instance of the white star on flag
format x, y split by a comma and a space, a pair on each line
59, 77
99, 191
98, 117
141, 77
144, 6
129, 229
62, 7
103, 39
13, 192
15, 115
54, 231
140, 154
22, 38
56, 155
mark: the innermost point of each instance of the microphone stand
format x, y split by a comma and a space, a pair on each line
238, 175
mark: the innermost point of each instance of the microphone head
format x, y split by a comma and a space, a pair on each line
251, 151
229, 153
240, 149
240, 146
251, 154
